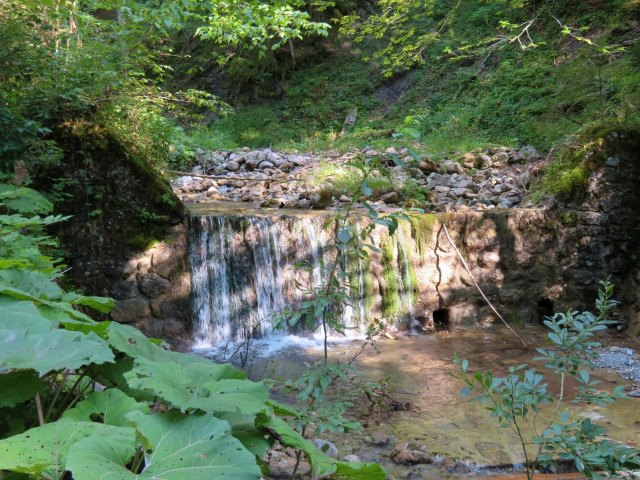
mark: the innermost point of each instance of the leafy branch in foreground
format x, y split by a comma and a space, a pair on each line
517, 398
83, 397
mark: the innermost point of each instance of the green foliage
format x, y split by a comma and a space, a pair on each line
161, 413
516, 398
390, 294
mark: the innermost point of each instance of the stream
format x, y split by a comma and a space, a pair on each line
465, 441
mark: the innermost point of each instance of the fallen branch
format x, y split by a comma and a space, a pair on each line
227, 177
464, 263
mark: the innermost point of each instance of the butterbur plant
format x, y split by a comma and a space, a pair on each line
517, 398
82, 398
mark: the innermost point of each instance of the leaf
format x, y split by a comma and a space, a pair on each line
43, 450
344, 235
111, 405
24, 200
134, 343
194, 447
26, 345
17, 387
322, 464
209, 388
100, 304
366, 189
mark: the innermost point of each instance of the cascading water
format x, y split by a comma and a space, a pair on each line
244, 273
237, 277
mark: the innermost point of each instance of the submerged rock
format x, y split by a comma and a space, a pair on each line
411, 454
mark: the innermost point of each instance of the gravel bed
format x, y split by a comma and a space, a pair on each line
624, 361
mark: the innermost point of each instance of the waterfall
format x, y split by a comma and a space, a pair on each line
245, 270
237, 277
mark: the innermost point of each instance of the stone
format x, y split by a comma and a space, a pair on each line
153, 285
411, 454
265, 164
321, 200
450, 166
355, 458
232, 166
326, 446
438, 179
282, 465
380, 439
426, 165
124, 290
390, 198
131, 310
167, 260
529, 153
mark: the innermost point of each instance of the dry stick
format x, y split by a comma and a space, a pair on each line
225, 177
464, 263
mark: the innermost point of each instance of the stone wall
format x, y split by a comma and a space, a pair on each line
127, 233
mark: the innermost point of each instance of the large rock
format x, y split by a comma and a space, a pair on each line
411, 454
131, 310
321, 199
153, 285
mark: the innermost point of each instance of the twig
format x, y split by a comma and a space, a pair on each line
226, 177
464, 263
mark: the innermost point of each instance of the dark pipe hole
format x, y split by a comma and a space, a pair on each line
441, 319
545, 309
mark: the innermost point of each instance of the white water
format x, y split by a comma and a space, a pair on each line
245, 272
244, 275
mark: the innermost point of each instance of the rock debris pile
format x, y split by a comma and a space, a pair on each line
494, 178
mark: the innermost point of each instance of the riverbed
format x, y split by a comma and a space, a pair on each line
460, 435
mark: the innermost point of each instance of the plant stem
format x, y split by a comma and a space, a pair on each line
39, 407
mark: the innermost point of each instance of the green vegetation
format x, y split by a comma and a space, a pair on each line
516, 399
422, 227
478, 79
153, 402
389, 289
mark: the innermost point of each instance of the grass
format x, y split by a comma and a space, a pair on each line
538, 96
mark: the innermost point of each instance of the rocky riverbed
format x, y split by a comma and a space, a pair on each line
494, 178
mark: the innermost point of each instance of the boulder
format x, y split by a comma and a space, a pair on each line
232, 166
153, 285
450, 166
321, 199
131, 310
265, 164
390, 198
326, 446
411, 454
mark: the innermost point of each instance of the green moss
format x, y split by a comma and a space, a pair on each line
422, 231
141, 242
369, 288
407, 272
390, 291
568, 174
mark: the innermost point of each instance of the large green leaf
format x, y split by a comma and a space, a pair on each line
108, 406
323, 465
43, 450
36, 285
24, 200
209, 387
17, 387
100, 304
21, 310
194, 447
133, 342
37, 345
